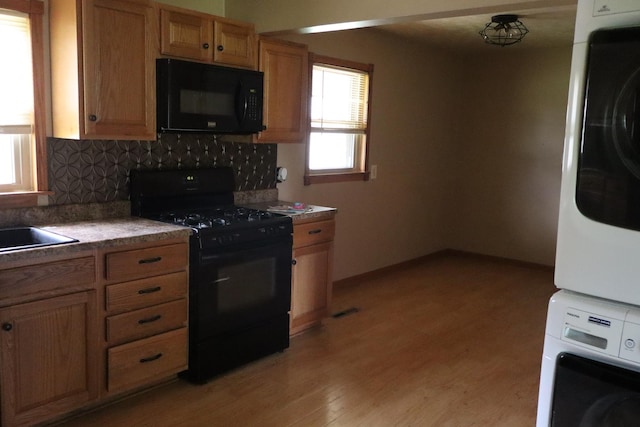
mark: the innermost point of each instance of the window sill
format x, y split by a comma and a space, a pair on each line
336, 177
25, 199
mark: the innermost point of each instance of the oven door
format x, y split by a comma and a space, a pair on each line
588, 393
240, 286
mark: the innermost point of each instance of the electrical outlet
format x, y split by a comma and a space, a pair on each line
374, 172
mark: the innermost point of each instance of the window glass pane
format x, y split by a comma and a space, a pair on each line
332, 150
15, 154
338, 125
16, 103
338, 98
7, 164
16, 75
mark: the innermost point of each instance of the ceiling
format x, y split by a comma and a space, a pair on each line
547, 27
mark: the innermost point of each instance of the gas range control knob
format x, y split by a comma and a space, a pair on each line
629, 343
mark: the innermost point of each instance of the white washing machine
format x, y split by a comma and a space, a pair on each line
591, 363
598, 247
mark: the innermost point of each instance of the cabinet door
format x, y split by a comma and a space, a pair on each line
48, 355
185, 35
310, 285
119, 63
235, 43
286, 81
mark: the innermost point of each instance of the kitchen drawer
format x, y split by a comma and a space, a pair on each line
146, 322
313, 232
76, 272
142, 361
146, 292
126, 265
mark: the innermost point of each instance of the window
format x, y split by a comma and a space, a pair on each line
21, 117
339, 130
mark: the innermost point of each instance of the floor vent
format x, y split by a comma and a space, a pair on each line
346, 312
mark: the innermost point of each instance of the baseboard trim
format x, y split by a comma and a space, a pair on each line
426, 258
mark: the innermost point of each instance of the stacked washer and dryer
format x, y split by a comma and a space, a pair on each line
590, 375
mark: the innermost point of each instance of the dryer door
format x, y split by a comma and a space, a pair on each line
587, 393
608, 182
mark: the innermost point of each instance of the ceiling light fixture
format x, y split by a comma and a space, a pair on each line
504, 30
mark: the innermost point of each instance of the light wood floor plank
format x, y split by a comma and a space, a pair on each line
453, 342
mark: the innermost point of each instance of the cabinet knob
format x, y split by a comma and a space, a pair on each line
220, 48
93, 117
294, 262
7, 326
205, 45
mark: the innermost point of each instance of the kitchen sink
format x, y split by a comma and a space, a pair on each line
29, 237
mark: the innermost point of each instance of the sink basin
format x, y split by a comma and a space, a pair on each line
29, 237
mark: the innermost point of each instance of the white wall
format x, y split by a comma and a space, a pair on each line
400, 215
508, 153
331, 15
468, 147
214, 7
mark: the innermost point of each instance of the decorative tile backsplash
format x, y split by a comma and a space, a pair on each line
96, 171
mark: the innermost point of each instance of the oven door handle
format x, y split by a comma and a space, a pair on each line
220, 280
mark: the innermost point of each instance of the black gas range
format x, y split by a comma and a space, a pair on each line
228, 225
239, 266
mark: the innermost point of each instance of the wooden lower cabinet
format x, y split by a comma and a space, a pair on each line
49, 355
146, 318
138, 362
311, 274
79, 331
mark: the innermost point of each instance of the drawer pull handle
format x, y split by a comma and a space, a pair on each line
150, 290
316, 231
150, 260
151, 359
150, 319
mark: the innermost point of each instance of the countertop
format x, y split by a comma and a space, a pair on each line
312, 213
105, 232
100, 233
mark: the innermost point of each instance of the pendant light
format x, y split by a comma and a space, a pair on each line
504, 30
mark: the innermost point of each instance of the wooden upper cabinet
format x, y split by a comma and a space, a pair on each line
103, 69
235, 43
185, 35
208, 38
286, 81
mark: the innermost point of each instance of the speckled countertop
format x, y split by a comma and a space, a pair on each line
109, 224
312, 213
100, 233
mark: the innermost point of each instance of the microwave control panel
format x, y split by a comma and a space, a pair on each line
252, 106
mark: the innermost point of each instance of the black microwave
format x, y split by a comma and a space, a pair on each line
196, 97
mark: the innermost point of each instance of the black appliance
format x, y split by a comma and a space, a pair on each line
239, 266
192, 96
588, 393
608, 181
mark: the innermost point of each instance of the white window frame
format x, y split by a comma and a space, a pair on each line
30, 152
360, 169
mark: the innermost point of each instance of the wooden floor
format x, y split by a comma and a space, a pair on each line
453, 342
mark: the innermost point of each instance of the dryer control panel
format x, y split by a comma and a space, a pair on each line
599, 325
630, 342
608, 7
595, 331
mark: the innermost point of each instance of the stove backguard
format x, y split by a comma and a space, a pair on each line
157, 191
